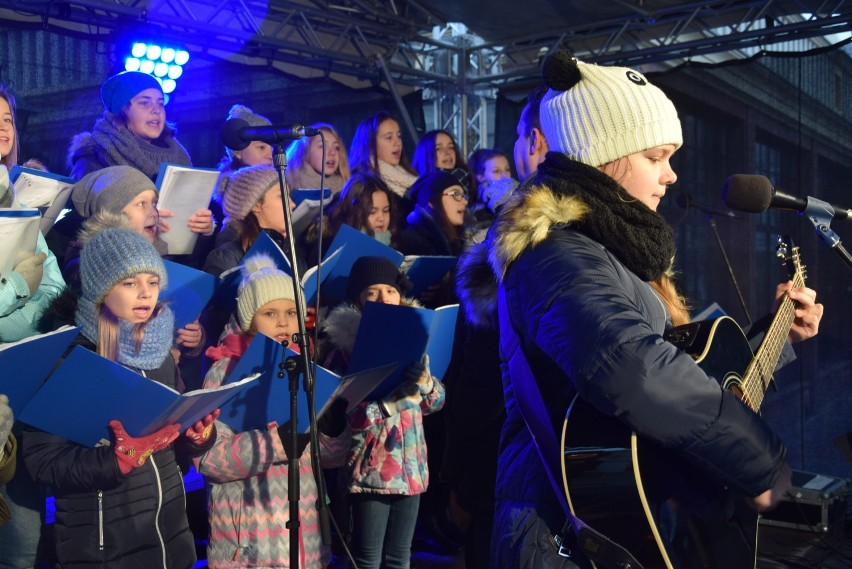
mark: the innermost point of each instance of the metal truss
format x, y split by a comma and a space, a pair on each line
356, 37
404, 45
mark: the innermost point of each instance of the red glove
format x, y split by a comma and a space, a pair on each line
132, 452
202, 430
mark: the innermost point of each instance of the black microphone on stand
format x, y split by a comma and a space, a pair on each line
755, 194
237, 133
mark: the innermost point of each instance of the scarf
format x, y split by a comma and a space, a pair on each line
306, 177
233, 347
383, 237
397, 178
123, 147
156, 341
638, 236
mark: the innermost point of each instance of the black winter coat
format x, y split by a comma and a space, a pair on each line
105, 519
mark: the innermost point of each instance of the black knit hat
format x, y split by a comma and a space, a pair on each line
430, 185
369, 271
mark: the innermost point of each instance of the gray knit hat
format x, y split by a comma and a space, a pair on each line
121, 87
252, 118
262, 282
246, 187
598, 114
109, 189
113, 255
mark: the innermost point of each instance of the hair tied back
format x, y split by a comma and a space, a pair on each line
560, 71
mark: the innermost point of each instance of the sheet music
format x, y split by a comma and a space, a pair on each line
18, 236
183, 191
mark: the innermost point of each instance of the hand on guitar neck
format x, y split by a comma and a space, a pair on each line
807, 314
771, 497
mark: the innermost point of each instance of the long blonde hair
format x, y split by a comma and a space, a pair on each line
109, 332
664, 285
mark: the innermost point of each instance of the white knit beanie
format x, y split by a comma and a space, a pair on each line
262, 282
597, 114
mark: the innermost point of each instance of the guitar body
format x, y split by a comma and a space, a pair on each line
664, 511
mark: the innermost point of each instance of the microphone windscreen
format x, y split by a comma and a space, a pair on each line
683, 199
747, 192
230, 133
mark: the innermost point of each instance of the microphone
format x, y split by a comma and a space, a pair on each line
237, 133
686, 201
755, 194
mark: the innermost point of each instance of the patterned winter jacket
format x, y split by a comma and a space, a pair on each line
247, 476
388, 451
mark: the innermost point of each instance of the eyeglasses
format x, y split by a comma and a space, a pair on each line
458, 195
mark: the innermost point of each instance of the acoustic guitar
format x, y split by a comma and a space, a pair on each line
663, 510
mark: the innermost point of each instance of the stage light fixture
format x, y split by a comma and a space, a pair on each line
165, 63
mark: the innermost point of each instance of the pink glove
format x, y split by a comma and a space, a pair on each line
132, 452
202, 430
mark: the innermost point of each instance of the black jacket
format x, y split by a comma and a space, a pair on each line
105, 519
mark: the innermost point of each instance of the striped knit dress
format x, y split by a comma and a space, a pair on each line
246, 474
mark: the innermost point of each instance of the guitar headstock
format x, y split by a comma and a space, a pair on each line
788, 252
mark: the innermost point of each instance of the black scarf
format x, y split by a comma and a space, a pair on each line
639, 237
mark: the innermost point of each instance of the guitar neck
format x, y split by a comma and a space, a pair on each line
758, 375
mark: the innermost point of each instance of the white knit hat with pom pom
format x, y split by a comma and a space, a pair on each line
597, 114
262, 282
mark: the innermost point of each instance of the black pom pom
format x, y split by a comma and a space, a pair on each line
560, 71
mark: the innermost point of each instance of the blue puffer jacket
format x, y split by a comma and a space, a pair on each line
589, 325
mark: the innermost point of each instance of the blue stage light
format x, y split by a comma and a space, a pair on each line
162, 62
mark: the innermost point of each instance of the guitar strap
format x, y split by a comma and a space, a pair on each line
595, 546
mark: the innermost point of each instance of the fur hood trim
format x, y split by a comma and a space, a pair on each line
100, 221
524, 222
106, 220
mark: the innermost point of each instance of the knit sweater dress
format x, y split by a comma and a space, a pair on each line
247, 476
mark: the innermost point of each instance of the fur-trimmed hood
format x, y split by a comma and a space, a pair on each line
340, 327
523, 222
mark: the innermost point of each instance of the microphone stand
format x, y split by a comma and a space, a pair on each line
710, 214
295, 366
820, 214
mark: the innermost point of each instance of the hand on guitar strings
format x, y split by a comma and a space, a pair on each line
808, 310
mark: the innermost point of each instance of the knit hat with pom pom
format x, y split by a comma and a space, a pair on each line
262, 282
598, 114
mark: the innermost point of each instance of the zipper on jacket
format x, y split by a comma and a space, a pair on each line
159, 507
100, 520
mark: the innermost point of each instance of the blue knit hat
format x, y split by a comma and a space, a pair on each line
121, 87
113, 255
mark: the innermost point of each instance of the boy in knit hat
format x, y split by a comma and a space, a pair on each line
590, 332
247, 472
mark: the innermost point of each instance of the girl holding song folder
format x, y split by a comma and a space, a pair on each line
121, 504
247, 472
387, 468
